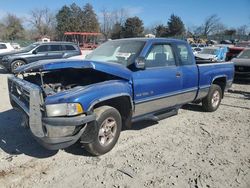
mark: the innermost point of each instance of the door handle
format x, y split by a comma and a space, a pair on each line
178, 74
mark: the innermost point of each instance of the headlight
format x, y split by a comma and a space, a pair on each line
5, 58
64, 109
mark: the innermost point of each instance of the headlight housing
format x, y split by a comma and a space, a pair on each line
64, 109
5, 58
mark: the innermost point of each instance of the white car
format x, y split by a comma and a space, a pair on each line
5, 47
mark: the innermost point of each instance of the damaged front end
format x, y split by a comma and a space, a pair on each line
51, 132
49, 95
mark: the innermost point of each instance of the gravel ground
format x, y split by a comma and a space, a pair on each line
192, 149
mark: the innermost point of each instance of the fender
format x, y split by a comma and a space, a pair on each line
90, 95
219, 76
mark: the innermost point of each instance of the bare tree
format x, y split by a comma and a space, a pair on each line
211, 25
43, 21
110, 19
242, 30
107, 23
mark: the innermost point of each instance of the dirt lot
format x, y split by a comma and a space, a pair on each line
193, 149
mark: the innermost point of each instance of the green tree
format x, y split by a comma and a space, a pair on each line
116, 31
63, 18
161, 31
75, 19
133, 27
12, 27
90, 21
175, 26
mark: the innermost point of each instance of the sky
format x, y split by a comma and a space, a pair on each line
193, 12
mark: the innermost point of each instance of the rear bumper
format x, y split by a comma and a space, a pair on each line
51, 132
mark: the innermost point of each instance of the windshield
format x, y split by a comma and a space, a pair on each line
244, 54
209, 51
120, 51
28, 48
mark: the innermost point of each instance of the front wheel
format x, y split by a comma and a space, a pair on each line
212, 101
109, 127
16, 64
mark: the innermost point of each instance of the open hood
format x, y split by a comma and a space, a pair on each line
49, 65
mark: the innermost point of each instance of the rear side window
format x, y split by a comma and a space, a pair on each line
160, 55
43, 48
3, 46
69, 47
55, 48
185, 56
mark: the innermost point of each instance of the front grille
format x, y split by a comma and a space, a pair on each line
27, 97
242, 69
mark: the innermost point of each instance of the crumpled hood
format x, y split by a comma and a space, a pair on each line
205, 56
49, 65
241, 62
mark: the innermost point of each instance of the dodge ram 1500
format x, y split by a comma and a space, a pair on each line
122, 81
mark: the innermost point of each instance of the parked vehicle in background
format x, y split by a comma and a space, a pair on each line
244, 44
226, 42
81, 57
16, 46
212, 54
119, 82
233, 52
39, 51
196, 50
5, 47
242, 64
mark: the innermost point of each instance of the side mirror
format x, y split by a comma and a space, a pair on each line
34, 52
140, 62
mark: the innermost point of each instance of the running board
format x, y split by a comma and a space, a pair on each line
157, 116
160, 116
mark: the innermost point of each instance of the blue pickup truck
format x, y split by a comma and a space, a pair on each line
122, 81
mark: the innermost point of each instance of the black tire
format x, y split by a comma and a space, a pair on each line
15, 64
212, 101
105, 114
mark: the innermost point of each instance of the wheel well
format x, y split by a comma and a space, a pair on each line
222, 83
19, 59
123, 105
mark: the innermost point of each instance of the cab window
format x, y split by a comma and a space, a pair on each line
184, 55
160, 55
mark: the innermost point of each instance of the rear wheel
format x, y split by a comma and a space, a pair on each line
109, 127
213, 99
16, 64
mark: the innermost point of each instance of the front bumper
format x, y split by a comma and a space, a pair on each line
51, 132
79, 126
5, 64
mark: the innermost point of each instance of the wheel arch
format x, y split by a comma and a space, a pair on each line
123, 103
222, 82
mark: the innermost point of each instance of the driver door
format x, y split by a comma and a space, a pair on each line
156, 87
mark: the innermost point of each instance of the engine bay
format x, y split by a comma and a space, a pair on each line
60, 80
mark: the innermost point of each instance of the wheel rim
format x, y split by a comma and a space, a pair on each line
215, 99
18, 64
107, 131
